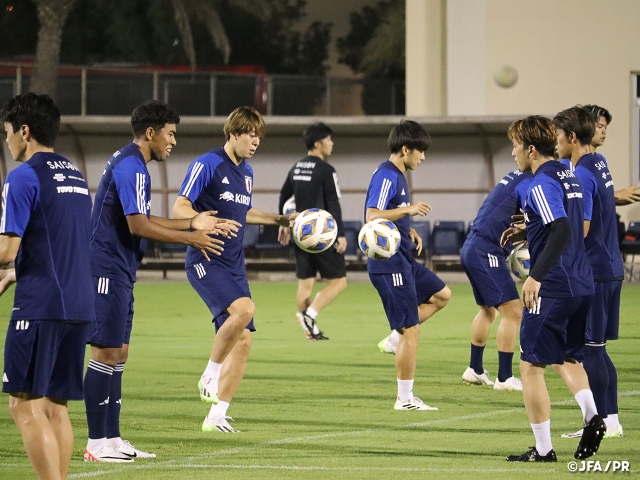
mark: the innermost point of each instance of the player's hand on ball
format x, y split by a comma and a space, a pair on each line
419, 208
284, 235
512, 234
203, 242
415, 238
286, 220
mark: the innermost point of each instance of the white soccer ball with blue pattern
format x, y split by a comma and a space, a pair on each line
314, 230
289, 206
519, 261
379, 239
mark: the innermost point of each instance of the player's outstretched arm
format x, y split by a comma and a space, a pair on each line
7, 278
256, 217
627, 196
141, 226
419, 208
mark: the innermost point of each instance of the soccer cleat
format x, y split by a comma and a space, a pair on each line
614, 432
592, 434
310, 327
106, 454
412, 404
532, 455
385, 346
577, 434
472, 378
220, 425
511, 383
124, 446
208, 390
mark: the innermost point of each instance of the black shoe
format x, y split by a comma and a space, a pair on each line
319, 336
591, 436
533, 456
309, 325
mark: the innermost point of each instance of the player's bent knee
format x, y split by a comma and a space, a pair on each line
441, 299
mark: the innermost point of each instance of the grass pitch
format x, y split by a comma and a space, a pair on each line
325, 409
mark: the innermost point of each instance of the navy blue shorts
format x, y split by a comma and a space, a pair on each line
555, 333
45, 358
489, 276
402, 294
603, 321
114, 313
219, 288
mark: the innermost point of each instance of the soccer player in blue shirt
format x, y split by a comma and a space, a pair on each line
557, 294
484, 262
223, 180
45, 228
603, 251
410, 292
121, 220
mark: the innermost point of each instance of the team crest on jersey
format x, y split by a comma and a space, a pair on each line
248, 181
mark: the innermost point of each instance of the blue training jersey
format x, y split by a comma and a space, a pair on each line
125, 189
494, 216
556, 193
603, 249
388, 189
214, 182
46, 202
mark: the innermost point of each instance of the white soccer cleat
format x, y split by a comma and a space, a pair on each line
125, 447
220, 425
208, 388
577, 434
412, 404
106, 454
614, 432
472, 378
511, 383
385, 346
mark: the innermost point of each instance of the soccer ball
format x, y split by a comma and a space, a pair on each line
289, 206
379, 239
314, 230
518, 261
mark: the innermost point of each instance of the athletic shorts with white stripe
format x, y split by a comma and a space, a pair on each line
488, 273
554, 330
402, 293
114, 313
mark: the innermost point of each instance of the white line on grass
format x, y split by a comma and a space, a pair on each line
187, 462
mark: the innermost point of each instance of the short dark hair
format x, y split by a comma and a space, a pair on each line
38, 112
410, 134
534, 130
315, 133
597, 111
577, 120
154, 114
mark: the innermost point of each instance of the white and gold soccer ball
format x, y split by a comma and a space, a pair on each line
519, 261
314, 230
379, 239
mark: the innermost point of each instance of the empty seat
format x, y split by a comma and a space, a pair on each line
423, 229
446, 242
351, 231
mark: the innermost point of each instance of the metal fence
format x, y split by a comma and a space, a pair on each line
116, 91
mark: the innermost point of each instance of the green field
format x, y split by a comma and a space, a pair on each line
325, 409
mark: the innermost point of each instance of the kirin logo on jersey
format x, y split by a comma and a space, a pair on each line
248, 181
227, 196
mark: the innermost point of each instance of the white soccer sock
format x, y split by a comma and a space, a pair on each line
95, 444
405, 390
312, 313
219, 410
212, 370
542, 432
394, 337
612, 420
587, 404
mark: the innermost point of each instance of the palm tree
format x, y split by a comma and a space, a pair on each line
53, 14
